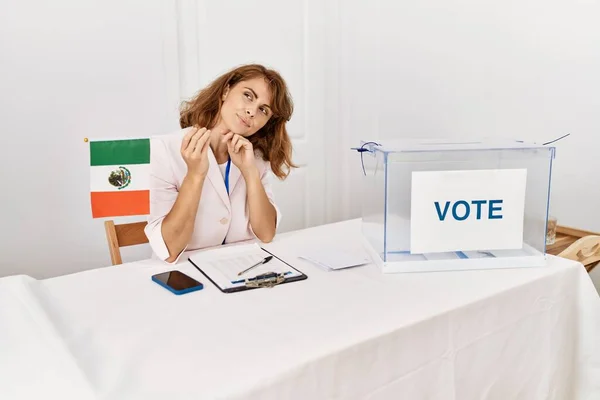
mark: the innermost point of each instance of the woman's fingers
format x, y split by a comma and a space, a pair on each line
234, 141
206, 144
186, 139
202, 143
240, 143
194, 140
227, 137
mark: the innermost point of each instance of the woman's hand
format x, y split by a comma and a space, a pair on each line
241, 152
194, 150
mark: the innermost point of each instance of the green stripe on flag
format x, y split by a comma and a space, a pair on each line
114, 152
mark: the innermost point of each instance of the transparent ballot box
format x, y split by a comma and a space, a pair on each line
430, 205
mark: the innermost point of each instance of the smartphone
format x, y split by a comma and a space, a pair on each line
177, 282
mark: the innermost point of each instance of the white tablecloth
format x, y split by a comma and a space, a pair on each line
112, 333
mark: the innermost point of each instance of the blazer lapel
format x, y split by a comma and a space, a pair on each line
216, 179
234, 177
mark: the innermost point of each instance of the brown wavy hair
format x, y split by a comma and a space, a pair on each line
271, 140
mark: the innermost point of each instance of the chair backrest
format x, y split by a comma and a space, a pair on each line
122, 235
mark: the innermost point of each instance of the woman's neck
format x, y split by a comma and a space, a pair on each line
218, 147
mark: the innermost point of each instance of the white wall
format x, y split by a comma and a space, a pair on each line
70, 70
112, 69
525, 69
446, 68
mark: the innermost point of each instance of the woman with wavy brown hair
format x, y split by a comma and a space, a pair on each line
210, 181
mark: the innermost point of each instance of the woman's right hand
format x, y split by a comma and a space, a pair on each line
194, 150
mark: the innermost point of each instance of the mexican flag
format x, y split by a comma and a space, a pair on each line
120, 177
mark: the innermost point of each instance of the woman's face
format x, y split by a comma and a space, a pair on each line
246, 106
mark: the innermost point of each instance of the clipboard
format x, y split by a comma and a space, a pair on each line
252, 282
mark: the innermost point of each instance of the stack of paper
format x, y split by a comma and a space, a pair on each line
333, 259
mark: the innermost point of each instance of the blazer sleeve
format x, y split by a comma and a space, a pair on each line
266, 178
163, 193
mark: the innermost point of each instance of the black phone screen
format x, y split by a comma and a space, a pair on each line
177, 280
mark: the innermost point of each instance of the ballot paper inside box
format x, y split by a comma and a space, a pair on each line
431, 205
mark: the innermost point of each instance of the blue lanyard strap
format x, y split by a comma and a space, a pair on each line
227, 168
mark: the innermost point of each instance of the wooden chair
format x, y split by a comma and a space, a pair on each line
578, 245
122, 235
585, 250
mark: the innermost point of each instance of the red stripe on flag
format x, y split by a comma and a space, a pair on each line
119, 204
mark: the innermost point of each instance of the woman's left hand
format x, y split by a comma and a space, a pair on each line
242, 153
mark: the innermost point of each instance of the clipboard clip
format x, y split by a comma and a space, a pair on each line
267, 280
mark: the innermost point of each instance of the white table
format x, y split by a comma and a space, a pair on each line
111, 333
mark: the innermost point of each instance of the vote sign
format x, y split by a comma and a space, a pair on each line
467, 210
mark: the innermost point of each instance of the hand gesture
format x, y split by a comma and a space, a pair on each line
194, 150
241, 152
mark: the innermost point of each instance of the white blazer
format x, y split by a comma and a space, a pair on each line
221, 217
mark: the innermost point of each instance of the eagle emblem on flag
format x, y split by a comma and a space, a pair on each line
120, 178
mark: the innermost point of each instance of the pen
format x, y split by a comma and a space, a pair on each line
260, 276
263, 261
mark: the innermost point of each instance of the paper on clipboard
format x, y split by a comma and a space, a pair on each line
223, 265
